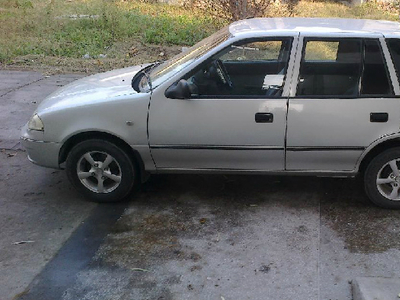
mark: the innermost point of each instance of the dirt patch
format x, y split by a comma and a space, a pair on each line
174, 208
188, 232
120, 55
154, 231
163, 225
364, 227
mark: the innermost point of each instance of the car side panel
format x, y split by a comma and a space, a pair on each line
331, 134
123, 117
217, 133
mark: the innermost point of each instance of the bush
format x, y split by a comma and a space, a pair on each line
232, 10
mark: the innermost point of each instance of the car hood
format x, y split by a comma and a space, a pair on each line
93, 89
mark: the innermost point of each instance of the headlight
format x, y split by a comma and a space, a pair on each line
35, 123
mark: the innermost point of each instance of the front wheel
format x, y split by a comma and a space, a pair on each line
382, 179
101, 171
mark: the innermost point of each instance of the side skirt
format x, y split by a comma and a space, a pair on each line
340, 174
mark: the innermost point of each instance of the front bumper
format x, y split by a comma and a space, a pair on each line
40, 152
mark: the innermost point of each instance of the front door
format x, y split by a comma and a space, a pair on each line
235, 118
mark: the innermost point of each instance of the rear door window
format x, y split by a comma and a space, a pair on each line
343, 68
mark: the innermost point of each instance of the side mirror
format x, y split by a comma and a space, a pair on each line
179, 90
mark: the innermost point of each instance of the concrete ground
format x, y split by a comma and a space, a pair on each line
184, 236
372, 288
36, 204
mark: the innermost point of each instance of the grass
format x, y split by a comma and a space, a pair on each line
126, 31
46, 27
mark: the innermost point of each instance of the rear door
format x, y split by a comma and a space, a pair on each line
342, 101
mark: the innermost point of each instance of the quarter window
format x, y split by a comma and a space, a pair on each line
375, 77
343, 68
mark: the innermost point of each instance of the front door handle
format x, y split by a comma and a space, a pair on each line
379, 117
264, 118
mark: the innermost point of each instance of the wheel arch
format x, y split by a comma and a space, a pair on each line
377, 149
83, 136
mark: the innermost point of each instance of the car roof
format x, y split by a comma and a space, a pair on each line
313, 25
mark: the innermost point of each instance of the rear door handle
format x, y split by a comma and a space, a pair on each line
378, 117
264, 118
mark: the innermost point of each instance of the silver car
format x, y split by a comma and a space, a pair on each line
263, 96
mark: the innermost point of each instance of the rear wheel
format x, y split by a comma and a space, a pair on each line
101, 171
382, 179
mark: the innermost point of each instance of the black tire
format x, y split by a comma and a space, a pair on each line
107, 173
380, 192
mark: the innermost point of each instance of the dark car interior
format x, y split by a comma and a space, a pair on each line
358, 69
351, 68
229, 77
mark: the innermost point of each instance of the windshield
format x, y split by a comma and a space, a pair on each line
164, 71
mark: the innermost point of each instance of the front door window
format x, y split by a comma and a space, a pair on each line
246, 69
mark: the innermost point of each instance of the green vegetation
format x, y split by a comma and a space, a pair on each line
63, 31
74, 28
